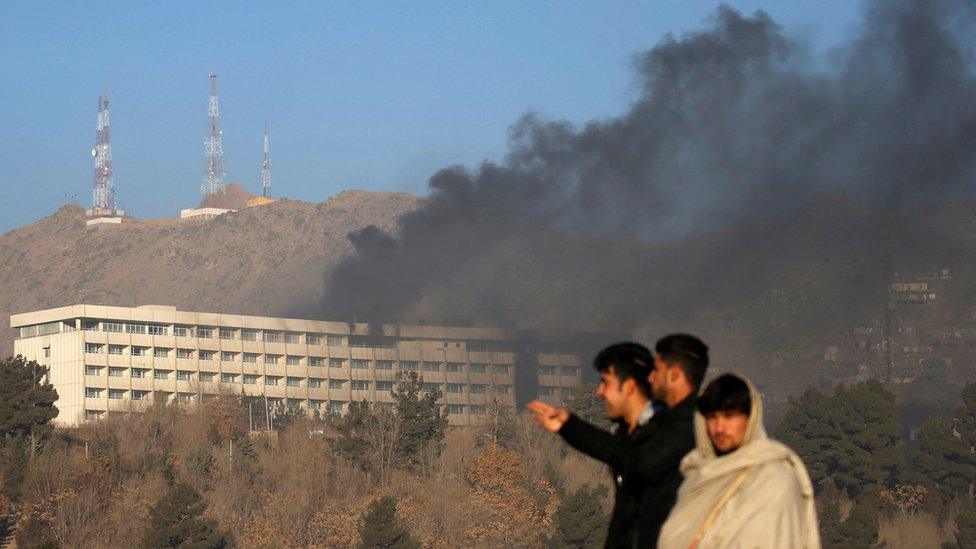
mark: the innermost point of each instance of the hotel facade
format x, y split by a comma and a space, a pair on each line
104, 360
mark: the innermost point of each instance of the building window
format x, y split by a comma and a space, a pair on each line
181, 331
139, 395
184, 353
314, 382
477, 409
359, 364
206, 376
207, 355
93, 347
116, 394
139, 351
112, 327
272, 337
184, 397
93, 415
250, 357
292, 337
478, 368
336, 383
316, 361
161, 352
292, 360
294, 382
570, 370
89, 325
384, 364
135, 328
250, 379
249, 335
547, 370
205, 333
139, 373
313, 339
546, 390
116, 372
157, 330
409, 365
336, 406
502, 389
335, 362
227, 356
336, 340
271, 380
500, 368
432, 366
314, 404
115, 349
431, 387
271, 359
454, 387
91, 392
384, 385
455, 409
454, 366
226, 333
93, 370
161, 374
360, 385
228, 378
477, 388
182, 375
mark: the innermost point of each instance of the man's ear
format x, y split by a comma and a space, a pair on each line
628, 386
675, 373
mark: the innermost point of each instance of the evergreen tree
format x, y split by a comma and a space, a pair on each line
850, 437
581, 520
352, 442
943, 461
380, 528
965, 424
26, 398
859, 531
176, 520
584, 403
421, 419
966, 526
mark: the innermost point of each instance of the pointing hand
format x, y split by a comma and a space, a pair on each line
547, 416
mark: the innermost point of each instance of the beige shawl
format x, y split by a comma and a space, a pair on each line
760, 495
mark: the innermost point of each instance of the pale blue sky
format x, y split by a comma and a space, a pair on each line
367, 95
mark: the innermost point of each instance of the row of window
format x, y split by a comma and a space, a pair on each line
333, 406
296, 360
290, 381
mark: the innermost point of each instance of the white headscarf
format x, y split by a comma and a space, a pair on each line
723, 496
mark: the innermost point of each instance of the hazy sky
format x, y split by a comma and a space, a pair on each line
365, 95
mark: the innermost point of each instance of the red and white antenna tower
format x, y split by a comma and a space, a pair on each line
213, 145
103, 191
266, 165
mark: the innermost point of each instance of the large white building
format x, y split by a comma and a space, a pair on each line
117, 359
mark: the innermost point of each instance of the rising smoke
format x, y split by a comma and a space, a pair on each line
745, 162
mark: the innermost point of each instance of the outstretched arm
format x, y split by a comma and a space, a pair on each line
579, 434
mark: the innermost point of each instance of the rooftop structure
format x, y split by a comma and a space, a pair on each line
106, 360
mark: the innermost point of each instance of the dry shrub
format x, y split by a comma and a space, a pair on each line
514, 508
911, 532
336, 524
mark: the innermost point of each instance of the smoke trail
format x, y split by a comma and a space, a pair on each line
739, 166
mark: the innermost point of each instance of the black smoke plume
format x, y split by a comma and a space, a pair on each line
747, 163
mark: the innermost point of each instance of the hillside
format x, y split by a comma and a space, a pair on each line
263, 260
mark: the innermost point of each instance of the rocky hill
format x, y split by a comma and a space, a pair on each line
265, 260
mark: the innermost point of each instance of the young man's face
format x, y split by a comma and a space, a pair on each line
726, 430
613, 393
659, 380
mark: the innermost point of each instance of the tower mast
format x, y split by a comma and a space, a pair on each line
103, 189
213, 181
266, 165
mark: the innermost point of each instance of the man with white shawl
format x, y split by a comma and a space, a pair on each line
740, 488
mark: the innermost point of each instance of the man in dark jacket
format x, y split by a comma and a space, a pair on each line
652, 401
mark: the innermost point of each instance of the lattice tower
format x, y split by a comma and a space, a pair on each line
103, 189
266, 165
213, 145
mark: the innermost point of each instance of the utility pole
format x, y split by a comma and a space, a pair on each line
213, 145
266, 165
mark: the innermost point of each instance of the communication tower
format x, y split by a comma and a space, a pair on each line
213, 181
266, 165
103, 190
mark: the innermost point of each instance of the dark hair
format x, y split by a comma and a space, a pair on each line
686, 351
629, 361
726, 393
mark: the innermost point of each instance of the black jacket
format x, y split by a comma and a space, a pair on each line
644, 466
